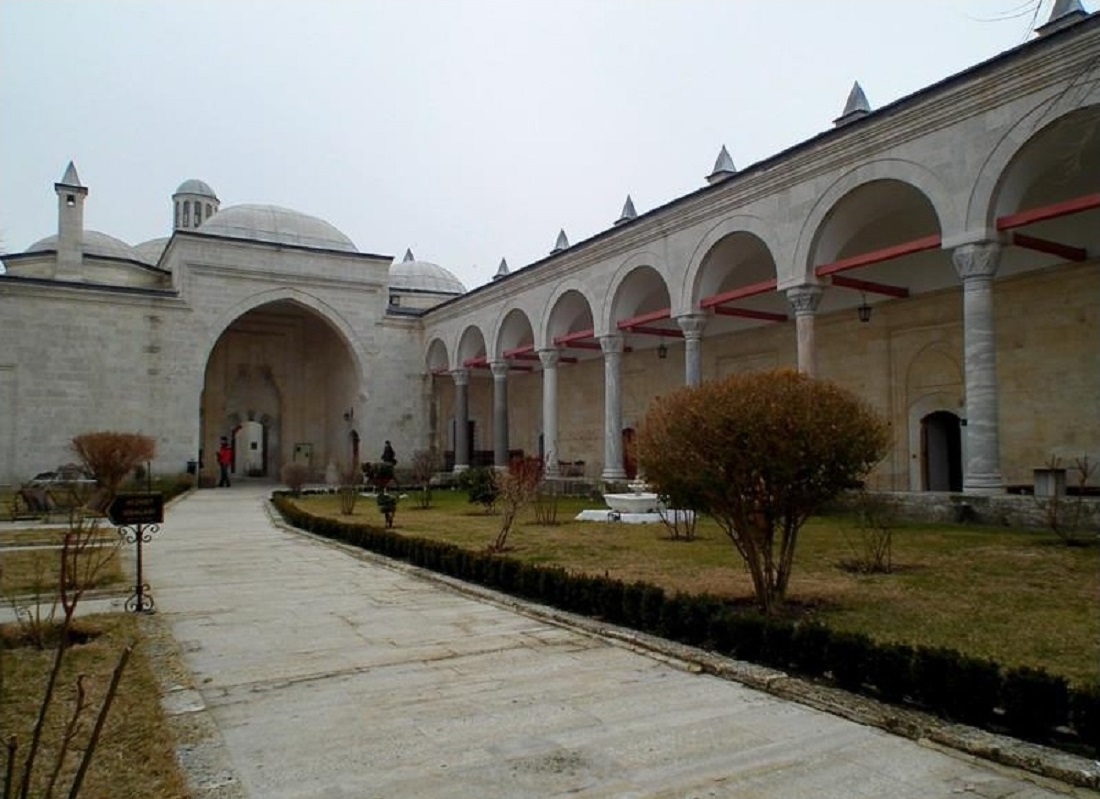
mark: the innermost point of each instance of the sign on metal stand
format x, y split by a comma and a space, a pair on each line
138, 518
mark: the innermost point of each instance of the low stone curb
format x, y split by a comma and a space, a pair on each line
924, 728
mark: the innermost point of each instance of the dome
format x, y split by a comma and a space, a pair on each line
195, 186
277, 226
413, 275
95, 244
150, 251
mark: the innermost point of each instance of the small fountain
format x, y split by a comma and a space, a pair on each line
639, 506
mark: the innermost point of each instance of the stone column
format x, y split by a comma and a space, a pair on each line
692, 325
804, 301
976, 265
500, 413
462, 419
549, 360
612, 347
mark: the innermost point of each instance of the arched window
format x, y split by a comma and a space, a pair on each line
186, 214
198, 213
176, 222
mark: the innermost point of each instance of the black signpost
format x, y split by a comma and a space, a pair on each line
138, 518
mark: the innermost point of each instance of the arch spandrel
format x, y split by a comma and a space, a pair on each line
753, 226
1001, 182
630, 279
513, 329
916, 176
566, 301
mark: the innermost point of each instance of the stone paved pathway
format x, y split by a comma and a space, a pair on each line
332, 677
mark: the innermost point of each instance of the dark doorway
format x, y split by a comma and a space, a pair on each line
630, 461
941, 452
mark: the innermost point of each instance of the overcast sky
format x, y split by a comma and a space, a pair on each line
465, 129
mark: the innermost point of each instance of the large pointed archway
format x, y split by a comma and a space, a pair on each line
282, 385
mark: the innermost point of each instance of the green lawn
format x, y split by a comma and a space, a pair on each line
1019, 597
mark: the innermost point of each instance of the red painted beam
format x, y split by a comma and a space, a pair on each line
519, 351
1065, 208
1066, 251
582, 345
440, 370
523, 356
578, 335
737, 294
878, 256
480, 362
657, 331
646, 318
869, 286
748, 313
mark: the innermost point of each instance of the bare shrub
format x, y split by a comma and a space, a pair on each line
425, 463
872, 540
1068, 517
516, 488
295, 475
110, 457
351, 481
545, 503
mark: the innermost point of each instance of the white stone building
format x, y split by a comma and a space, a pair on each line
939, 256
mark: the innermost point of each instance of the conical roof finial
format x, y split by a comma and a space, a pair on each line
408, 256
1064, 14
723, 167
70, 178
561, 244
628, 212
502, 270
857, 106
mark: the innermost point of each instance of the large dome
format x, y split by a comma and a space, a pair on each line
195, 186
150, 251
276, 225
95, 244
413, 275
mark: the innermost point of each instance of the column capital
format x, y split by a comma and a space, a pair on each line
804, 299
461, 377
977, 261
499, 369
550, 357
692, 325
612, 344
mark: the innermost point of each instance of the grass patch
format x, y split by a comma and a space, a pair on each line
136, 754
1015, 596
38, 570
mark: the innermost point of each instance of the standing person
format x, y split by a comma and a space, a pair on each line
225, 460
388, 455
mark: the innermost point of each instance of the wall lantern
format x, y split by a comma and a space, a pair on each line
349, 414
662, 350
864, 310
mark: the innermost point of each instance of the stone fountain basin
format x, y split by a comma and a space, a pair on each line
633, 503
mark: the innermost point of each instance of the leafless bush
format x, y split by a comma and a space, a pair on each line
425, 462
351, 481
295, 475
516, 489
872, 539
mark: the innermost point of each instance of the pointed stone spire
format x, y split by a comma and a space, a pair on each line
723, 167
857, 107
561, 244
408, 256
1064, 14
628, 212
502, 270
70, 178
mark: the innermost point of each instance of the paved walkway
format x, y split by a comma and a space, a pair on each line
332, 677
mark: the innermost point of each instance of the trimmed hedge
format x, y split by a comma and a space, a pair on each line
1030, 703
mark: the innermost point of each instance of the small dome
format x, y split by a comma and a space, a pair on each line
95, 244
412, 275
195, 186
150, 251
276, 225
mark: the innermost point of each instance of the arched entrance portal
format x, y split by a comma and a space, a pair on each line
280, 381
941, 452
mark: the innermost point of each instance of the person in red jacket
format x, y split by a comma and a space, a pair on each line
225, 460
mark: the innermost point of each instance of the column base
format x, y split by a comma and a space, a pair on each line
458, 468
983, 484
613, 474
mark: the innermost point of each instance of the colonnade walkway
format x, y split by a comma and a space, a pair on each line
331, 676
